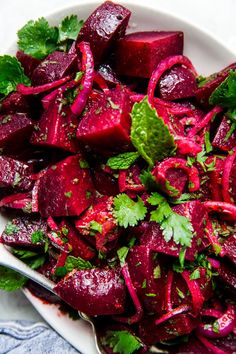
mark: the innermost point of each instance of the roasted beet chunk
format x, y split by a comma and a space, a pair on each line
15, 174
15, 102
93, 291
177, 83
139, 53
98, 221
57, 127
230, 248
104, 26
18, 232
14, 127
66, 188
225, 139
196, 213
106, 124
54, 67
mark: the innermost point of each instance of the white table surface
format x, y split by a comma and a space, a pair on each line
215, 16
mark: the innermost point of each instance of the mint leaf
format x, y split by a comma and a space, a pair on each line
149, 134
122, 342
11, 280
77, 263
70, 28
225, 94
11, 74
173, 225
38, 39
128, 212
122, 161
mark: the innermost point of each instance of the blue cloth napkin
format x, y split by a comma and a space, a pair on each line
24, 337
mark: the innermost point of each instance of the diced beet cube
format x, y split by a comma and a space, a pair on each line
138, 54
108, 74
54, 67
203, 93
177, 83
66, 188
147, 277
28, 62
196, 213
93, 291
15, 174
221, 140
14, 127
103, 28
230, 248
57, 127
15, 102
98, 222
105, 183
80, 248
177, 326
106, 124
18, 232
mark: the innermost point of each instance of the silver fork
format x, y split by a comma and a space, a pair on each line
7, 259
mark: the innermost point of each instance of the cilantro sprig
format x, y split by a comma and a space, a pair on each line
121, 342
39, 39
128, 212
11, 74
149, 134
173, 225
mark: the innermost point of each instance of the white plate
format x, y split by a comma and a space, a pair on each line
206, 53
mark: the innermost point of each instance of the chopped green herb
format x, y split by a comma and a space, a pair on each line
182, 257
148, 180
128, 212
216, 326
157, 272
150, 295
83, 164
122, 161
144, 285
95, 226
64, 230
180, 293
11, 228
79, 75
68, 194
37, 236
61, 271
112, 104
195, 274
208, 145
88, 194
149, 134
230, 131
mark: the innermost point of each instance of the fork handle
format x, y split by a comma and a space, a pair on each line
10, 261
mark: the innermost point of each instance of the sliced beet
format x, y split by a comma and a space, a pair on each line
15, 174
103, 28
54, 67
147, 277
18, 232
93, 291
14, 127
98, 222
22, 201
227, 275
196, 213
177, 83
57, 127
230, 248
177, 326
28, 62
221, 140
80, 248
138, 54
106, 124
66, 188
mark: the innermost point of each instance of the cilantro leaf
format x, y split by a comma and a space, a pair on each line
148, 180
11, 280
122, 254
173, 225
128, 212
149, 134
225, 94
122, 342
11, 74
122, 161
69, 28
37, 38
